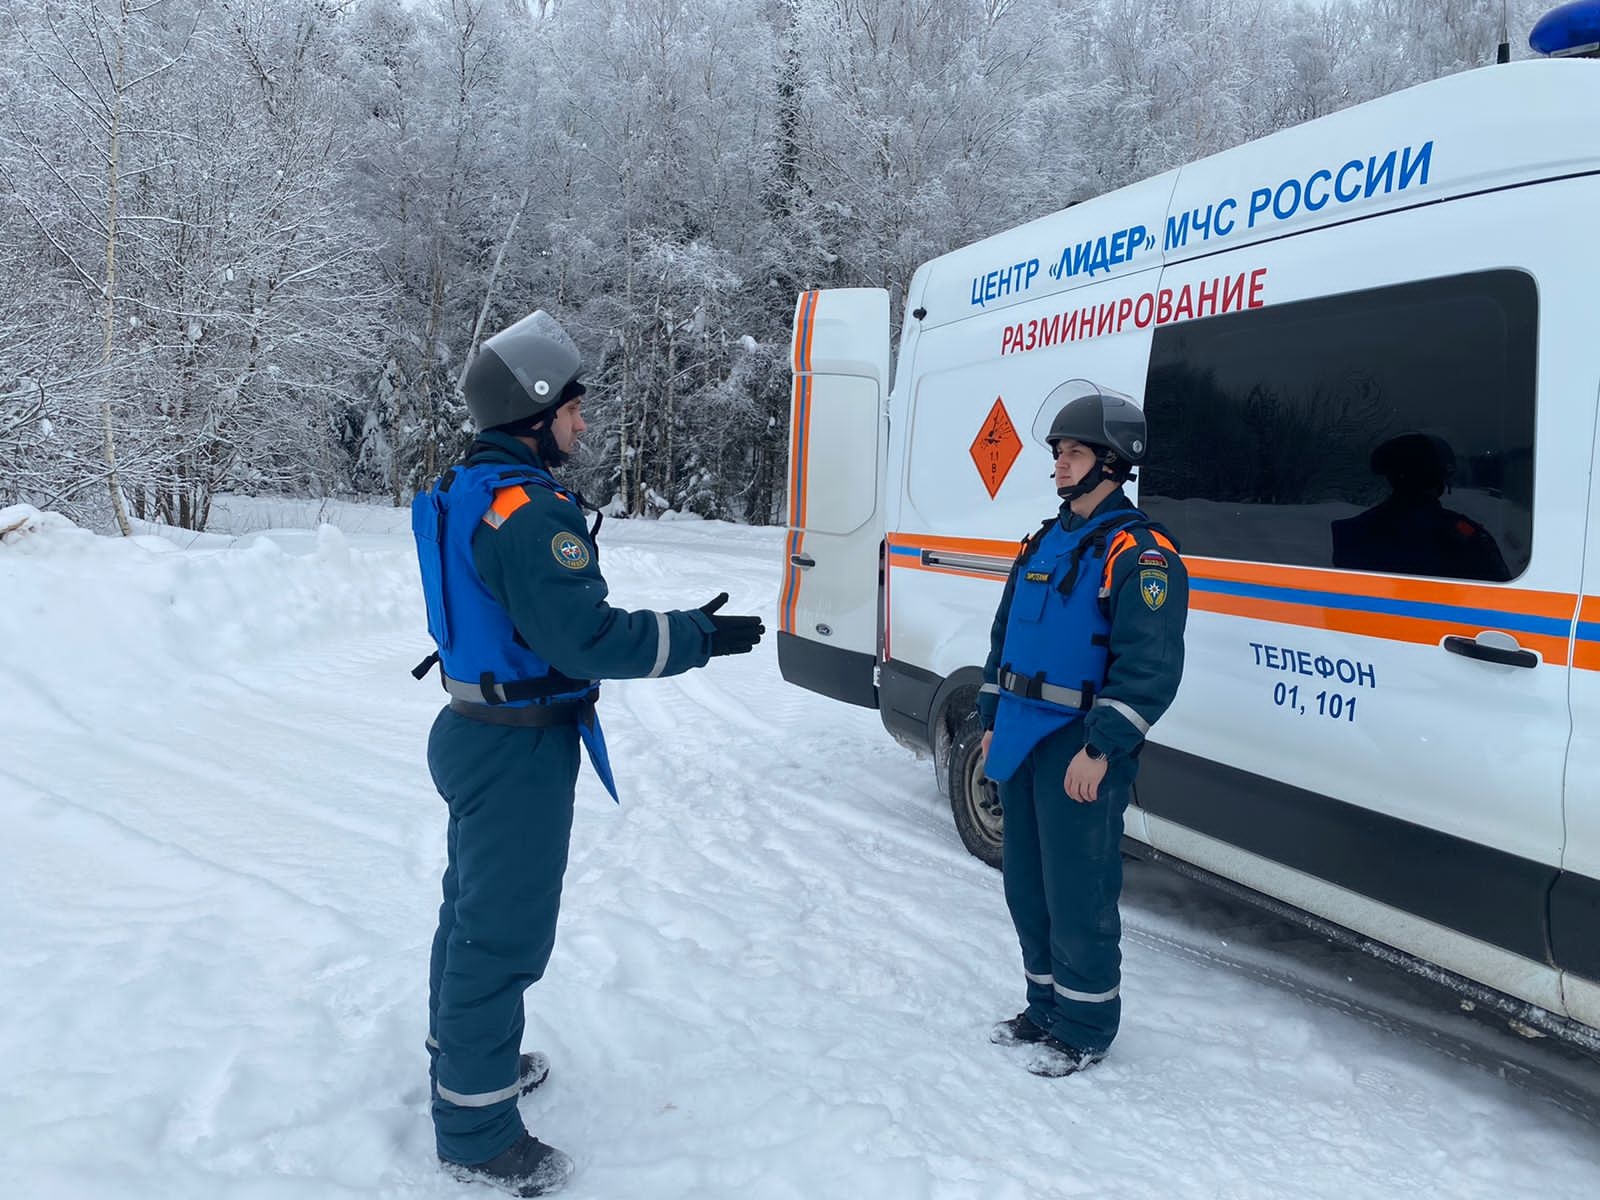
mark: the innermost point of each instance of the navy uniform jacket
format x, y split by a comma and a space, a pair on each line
1146, 659
558, 601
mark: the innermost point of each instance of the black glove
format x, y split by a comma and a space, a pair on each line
732, 635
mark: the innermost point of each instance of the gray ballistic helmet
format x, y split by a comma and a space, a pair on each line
1094, 415
521, 372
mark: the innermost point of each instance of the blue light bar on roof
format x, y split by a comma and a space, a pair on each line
1573, 29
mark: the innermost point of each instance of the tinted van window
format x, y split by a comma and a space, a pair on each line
1385, 430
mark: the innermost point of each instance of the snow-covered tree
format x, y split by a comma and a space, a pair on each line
256, 241
188, 176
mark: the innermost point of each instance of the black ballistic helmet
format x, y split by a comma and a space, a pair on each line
523, 372
1100, 417
1096, 416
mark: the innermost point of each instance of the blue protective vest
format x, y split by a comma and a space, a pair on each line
1058, 632
478, 644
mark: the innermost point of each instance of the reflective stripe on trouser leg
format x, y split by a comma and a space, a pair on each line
510, 792
479, 1099
1081, 856
1067, 993
1024, 888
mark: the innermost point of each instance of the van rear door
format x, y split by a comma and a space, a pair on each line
828, 605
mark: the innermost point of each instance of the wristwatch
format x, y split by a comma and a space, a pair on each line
1094, 752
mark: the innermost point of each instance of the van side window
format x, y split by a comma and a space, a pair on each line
1385, 430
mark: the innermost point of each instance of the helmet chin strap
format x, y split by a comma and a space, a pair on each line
1092, 478
550, 454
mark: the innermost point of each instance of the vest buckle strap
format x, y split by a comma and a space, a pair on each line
1038, 689
489, 692
472, 693
571, 712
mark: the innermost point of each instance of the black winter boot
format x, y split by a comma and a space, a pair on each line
528, 1168
1053, 1058
1018, 1031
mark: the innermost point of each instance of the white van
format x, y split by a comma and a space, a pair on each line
1369, 352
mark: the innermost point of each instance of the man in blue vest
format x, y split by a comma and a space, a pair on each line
1085, 655
517, 608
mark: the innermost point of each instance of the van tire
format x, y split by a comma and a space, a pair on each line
974, 798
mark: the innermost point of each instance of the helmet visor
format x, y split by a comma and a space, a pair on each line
1063, 395
540, 354
537, 324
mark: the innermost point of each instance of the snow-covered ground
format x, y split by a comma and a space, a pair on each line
775, 969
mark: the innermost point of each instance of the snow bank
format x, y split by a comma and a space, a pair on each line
85, 612
253, 514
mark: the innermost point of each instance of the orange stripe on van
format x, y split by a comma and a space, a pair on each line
799, 453
1416, 630
797, 448
804, 322
1388, 607
906, 552
951, 545
1395, 608
1389, 587
1587, 653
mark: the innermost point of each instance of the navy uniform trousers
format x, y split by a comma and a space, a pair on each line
510, 795
1062, 863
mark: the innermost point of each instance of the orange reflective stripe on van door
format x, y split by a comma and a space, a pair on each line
1393, 607
799, 455
908, 550
1587, 654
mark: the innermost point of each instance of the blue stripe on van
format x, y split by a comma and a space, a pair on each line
1487, 617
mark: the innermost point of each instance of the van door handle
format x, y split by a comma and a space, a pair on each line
804, 561
1507, 656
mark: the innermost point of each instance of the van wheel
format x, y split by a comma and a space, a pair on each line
974, 798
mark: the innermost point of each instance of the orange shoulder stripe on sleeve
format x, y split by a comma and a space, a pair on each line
1123, 541
506, 501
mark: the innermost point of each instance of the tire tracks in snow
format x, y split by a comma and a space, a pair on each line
1548, 1085
133, 834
